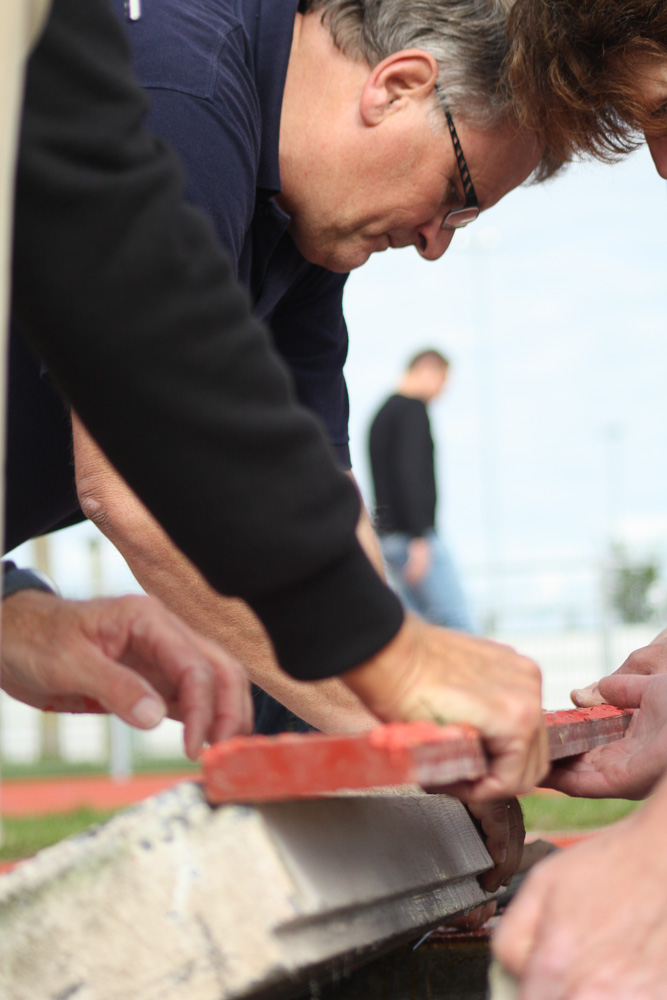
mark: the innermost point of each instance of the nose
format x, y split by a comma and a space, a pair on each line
432, 241
658, 148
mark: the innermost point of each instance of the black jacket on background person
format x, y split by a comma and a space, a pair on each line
122, 292
401, 453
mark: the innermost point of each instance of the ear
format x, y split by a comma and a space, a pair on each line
400, 78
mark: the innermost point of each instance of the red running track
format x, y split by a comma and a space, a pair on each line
40, 796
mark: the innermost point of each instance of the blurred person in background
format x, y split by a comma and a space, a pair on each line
420, 565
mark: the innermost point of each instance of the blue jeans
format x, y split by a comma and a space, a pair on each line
437, 598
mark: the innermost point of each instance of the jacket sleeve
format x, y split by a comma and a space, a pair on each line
122, 291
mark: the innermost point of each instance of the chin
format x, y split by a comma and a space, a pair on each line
339, 258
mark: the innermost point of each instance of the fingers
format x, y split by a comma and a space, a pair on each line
234, 711
211, 691
648, 660
228, 692
517, 932
159, 646
512, 771
574, 778
503, 828
494, 820
624, 690
587, 697
233, 708
119, 690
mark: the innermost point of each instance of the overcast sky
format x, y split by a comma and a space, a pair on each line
553, 307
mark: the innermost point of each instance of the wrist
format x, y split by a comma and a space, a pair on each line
382, 681
15, 580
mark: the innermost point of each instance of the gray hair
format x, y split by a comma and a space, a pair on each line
467, 38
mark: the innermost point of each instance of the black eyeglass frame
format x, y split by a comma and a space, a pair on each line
457, 218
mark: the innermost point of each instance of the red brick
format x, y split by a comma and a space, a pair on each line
581, 729
289, 766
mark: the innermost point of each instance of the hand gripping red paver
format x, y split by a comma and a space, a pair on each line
289, 766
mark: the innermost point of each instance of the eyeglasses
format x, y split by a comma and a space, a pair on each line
459, 217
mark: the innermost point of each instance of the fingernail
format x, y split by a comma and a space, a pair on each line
147, 712
586, 696
501, 857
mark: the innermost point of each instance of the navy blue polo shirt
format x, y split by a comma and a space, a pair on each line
215, 72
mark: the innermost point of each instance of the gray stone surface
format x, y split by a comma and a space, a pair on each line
173, 900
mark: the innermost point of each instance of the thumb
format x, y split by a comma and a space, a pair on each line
123, 692
587, 697
624, 690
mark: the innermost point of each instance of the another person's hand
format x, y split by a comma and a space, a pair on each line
445, 676
648, 660
503, 830
628, 768
501, 827
419, 561
504, 834
125, 655
591, 922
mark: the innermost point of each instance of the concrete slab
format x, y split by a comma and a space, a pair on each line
175, 900
293, 765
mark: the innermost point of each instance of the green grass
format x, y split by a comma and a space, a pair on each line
23, 836
556, 812
63, 769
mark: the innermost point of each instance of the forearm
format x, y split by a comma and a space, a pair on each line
366, 535
162, 570
327, 705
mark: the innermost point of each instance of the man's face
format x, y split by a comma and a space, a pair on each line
652, 78
433, 377
396, 188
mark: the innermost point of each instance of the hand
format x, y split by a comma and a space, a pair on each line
591, 922
445, 676
504, 832
628, 768
126, 655
651, 659
419, 561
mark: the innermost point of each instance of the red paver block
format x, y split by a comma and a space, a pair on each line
581, 729
289, 766
298, 765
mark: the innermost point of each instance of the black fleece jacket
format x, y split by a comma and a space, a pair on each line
122, 291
